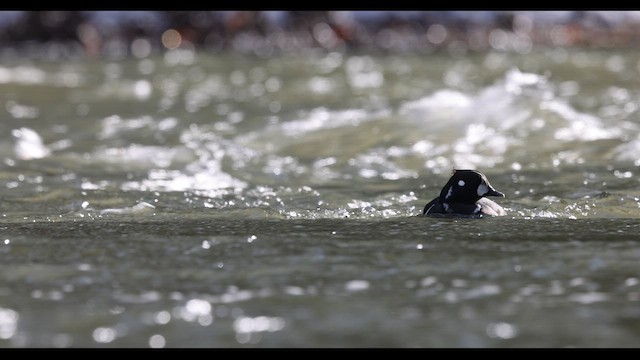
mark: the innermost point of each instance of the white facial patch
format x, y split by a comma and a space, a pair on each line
446, 197
482, 189
461, 183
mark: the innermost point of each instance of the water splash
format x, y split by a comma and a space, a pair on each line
29, 144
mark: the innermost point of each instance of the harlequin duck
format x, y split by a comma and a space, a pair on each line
464, 194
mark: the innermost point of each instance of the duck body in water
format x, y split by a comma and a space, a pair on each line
464, 195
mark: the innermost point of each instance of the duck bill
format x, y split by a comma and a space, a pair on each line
493, 192
487, 190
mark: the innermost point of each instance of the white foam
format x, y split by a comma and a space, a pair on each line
29, 144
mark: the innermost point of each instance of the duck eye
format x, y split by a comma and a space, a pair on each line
461, 183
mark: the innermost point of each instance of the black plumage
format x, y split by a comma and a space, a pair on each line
464, 194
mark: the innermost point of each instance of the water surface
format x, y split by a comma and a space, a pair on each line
217, 200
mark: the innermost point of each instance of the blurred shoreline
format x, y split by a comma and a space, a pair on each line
120, 34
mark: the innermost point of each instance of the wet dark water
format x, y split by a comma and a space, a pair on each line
207, 200
410, 282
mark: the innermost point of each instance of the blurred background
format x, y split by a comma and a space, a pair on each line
115, 34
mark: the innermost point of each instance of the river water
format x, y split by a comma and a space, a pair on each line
195, 199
